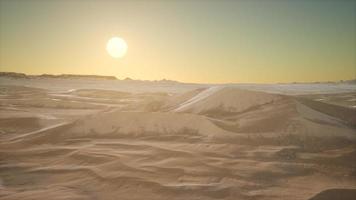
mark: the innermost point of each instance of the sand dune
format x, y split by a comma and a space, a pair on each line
214, 143
117, 124
224, 100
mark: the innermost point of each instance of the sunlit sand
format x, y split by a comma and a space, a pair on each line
177, 100
174, 141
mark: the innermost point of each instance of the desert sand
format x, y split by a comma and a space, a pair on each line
194, 142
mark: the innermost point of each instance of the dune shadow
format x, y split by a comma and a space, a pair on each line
335, 194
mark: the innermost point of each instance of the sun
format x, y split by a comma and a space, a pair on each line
116, 47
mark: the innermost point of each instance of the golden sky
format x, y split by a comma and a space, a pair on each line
190, 41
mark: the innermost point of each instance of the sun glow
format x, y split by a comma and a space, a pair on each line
116, 47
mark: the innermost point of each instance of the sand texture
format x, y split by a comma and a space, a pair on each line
203, 143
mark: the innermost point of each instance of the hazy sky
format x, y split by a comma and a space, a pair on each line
186, 40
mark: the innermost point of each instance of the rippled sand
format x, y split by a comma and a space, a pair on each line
220, 143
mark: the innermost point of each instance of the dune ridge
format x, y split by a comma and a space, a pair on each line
208, 143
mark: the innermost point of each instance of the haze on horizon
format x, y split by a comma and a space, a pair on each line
190, 41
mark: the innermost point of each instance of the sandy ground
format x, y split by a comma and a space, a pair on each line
203, 143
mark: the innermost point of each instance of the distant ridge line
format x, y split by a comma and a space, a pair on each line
64, 76
16, 75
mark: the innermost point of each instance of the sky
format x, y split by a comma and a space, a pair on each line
246, 41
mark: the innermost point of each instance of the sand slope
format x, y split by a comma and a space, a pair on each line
224, 100
219, 143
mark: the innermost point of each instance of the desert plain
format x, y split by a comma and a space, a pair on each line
83, 139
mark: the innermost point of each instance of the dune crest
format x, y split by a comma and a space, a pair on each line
225, 99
